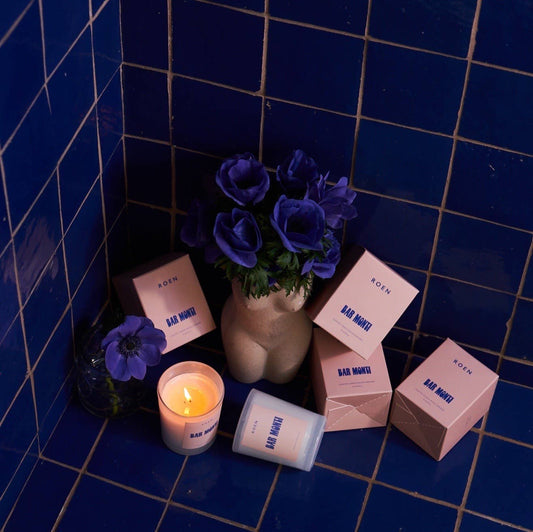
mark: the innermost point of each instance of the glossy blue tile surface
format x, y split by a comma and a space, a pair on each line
501, 116
502, 472
117, 508
110, 118
106, 42
407, 466
409, 318
325, 136
21, 65
145, 112
401, 162
392, 230
177, 517
515, 371
140, 18
388, 509
481, 253
233, 117
9, 12
46, 503
519, 345
300, 68
5, 233
528, 285
343, 16
504, 34
148, 167
10, 305
451, 307
341, 499
214, 43
492, 184
255, 5
412, 88
114, 185
473, 523
432, 25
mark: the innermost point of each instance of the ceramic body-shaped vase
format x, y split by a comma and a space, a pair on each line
265, 338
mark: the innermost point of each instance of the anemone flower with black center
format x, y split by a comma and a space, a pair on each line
132, 346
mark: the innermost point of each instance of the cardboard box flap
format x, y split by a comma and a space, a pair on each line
362, 411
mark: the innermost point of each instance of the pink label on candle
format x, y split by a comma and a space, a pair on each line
198, 434
273, 432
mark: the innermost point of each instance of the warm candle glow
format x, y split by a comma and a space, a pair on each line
190, 396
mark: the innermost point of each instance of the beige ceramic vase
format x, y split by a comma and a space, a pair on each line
265, 338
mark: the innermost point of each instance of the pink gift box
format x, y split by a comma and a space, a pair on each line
167, 291
362, 302
352, 392
443, 399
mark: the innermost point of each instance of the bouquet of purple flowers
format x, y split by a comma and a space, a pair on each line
271, 234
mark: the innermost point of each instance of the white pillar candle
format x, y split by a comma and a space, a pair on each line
278, 431
190, 400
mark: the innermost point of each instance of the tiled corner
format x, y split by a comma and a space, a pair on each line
114, 186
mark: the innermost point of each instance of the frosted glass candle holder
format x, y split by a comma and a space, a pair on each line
278, 431
190, 400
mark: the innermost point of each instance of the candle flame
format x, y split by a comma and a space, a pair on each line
188, 397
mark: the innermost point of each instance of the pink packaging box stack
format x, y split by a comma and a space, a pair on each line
362, 302
352, 392
443, 398
168, 292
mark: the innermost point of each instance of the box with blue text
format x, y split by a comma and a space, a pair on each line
167, 291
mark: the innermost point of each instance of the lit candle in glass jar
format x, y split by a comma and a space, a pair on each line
190, 399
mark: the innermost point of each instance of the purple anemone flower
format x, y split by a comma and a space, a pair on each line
132, 346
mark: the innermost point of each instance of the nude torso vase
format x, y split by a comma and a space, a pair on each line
266, 337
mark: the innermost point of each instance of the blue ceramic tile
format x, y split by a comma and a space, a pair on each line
9, 12
114, 184
146, 103
398, 339
195, 175
492, 184
344, 16
118, 248
396, 362
107, 45
8, 288
16, 434
110, 118
12, 365
332, 450
393, 510
413, 88
63, 21
430, 25
519, 426
78, 170
140, 19
474, 523
92, 292
151, 232
255, 5
21, 64
73, 436
502, 472
233, 117
409, 318
519, 345
407, 466
300, 67
177, 518
227, 484
516, 371
481, 253
84, 237
45, 306
37, 504
397, 232
53, 367
501, 116
527, 291
232, 54
37, 239
5, 232
145, 463
117, 509
327, 137
338, 501
466, 313
96, 5
148, 167
504, 32
401, 162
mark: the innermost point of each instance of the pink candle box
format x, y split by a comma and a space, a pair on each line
443, 399
167, 291
362, 302
352, 392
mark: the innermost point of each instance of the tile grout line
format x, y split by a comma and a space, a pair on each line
15, 24
170, 78
269, 496
262, 85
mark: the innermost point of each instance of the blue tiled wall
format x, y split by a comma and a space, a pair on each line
62, 195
